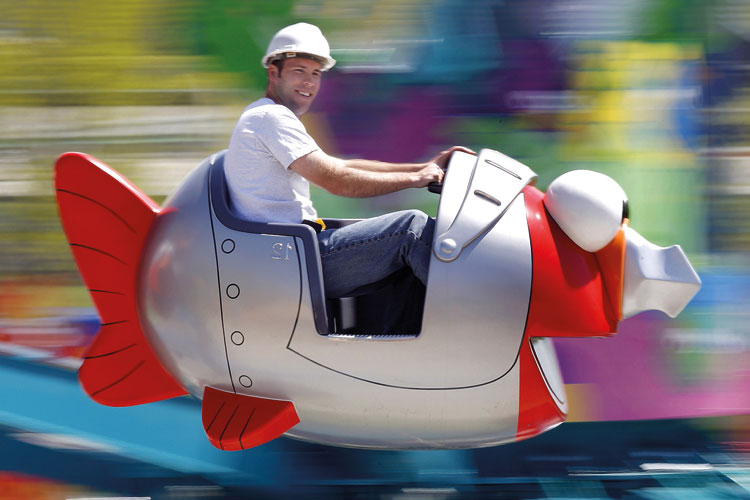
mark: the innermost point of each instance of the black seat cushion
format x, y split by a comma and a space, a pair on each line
392, 307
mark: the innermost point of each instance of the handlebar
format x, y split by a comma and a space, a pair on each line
435, 187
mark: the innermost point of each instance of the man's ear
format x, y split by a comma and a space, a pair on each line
272, 72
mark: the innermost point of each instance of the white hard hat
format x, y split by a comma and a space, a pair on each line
299, 40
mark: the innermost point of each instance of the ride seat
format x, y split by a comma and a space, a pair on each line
392, 306
219, 196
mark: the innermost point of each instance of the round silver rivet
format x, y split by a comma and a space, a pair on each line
233, 291
237, 338
448, 246
227, 246
246, 381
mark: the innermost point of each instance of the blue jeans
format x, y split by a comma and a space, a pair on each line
372, 249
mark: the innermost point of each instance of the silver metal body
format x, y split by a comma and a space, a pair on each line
233, 311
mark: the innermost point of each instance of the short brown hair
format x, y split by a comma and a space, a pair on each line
279, 61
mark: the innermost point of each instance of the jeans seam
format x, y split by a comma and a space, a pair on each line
419, 239
362, 243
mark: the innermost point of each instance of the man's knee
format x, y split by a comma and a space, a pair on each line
419, 223
414, 215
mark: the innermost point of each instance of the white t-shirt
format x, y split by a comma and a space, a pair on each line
267, 138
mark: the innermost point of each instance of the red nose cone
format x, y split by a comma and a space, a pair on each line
574, 293
569, 297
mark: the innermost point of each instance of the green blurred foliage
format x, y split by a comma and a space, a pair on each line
675, 20
236, 33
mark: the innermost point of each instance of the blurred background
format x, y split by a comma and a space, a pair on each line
655, 93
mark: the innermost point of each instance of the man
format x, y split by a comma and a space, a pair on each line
271, 158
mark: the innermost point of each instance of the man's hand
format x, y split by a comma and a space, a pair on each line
431, 172
434, 170
441, 160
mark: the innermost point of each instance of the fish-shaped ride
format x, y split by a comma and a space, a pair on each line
194, 300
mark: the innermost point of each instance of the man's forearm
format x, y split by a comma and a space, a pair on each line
381, 166
362, 182
341, 178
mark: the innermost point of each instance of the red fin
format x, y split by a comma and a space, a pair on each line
238, 422
106, 220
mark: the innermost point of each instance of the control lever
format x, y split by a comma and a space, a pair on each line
435, 187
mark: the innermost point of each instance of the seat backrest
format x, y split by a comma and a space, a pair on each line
219, 199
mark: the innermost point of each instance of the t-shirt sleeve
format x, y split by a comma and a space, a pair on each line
285, 137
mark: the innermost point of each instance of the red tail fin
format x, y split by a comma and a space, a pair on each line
237, 422
106, 220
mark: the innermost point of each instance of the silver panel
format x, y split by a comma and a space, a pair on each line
178, 294
475, 315
495, 182
337, 409
347, 412
259, 280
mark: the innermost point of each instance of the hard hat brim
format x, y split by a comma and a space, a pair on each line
326, 62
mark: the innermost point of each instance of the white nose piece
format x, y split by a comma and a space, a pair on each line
656, 278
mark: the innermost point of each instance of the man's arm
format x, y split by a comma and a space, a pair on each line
380, 166
364, 178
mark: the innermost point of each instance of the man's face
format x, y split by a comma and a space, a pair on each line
297, 85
